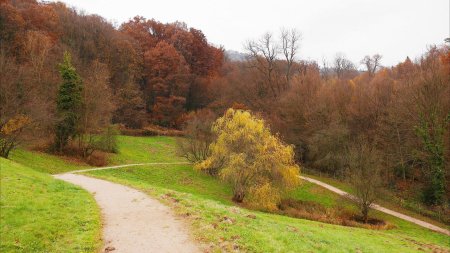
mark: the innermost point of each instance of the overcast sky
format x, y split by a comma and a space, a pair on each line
392, 28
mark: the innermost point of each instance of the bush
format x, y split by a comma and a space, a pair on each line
10, 132
197, 136
254, 161
107, 140
338, 215
98, 159
150, 130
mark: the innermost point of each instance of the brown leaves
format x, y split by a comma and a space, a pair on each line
15, 124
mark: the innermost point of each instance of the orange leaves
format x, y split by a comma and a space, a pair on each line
164, 60
202, 58
15, 124
167, 111
445, 59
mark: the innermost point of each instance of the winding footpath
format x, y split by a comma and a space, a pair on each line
132, 221
380, 208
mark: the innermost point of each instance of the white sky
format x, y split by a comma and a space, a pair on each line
392, 28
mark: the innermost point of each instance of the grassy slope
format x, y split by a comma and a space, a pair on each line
206, 202
41, 214
45, 162
145, 150
132, 150
203, 197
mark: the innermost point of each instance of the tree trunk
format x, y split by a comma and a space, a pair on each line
365, 213
238, 196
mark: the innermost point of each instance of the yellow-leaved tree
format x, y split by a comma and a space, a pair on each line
10, 133
258, 165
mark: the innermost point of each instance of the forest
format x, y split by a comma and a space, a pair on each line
67, 78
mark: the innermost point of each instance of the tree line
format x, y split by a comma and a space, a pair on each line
142, 72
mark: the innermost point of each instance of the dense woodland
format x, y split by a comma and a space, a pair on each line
145, 73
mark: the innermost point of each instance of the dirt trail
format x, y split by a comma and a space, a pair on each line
380, 208
134, 222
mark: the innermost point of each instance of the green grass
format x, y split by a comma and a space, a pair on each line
205, 203
311, 192
42, 214
145, 150
45, 162
131, 150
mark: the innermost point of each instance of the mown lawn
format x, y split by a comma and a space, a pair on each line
42, 214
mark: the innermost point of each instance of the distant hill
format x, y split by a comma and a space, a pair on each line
235, 55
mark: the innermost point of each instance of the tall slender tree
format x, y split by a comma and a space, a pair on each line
68, 104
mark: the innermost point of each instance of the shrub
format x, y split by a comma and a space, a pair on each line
254, 161
197, 136
10, 132
98, 159
150, 130
107, 140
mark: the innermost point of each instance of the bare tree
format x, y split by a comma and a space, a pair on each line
289, 43
364, 174
37, 45
372, 63
263, 54
198, 137
325, 69
342, 65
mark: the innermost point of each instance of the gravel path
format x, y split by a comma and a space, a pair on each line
134, 222
380, 208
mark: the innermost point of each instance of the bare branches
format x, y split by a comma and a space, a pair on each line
372, 63
290, 43
264, 55
342, 65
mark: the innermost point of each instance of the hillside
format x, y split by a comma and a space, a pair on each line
220, 225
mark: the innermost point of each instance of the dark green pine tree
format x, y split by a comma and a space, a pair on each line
432, 131
68, 104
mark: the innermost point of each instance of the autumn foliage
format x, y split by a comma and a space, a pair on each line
146, 74
258, 165
10, 132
